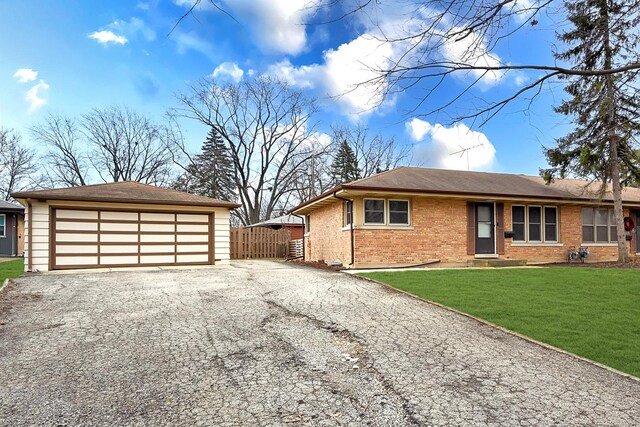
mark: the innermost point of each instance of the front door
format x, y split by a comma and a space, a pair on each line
485, 229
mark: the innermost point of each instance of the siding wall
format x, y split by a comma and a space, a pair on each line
38, 240
40, 213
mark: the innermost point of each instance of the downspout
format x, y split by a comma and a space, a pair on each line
351, 231
304, 231
30, 247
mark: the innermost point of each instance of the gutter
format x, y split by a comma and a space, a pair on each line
351, 231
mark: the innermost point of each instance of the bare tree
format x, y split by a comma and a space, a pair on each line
110, 145
374, 153
312, 177
17, 167
267, 127
126, 146
67, 160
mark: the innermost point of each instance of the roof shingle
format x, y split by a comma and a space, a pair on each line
444, 181
8, 206
124, 192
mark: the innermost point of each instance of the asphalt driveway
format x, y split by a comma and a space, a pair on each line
264, 343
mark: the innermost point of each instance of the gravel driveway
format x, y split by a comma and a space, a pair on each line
265, 343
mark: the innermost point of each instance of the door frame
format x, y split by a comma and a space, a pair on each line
494, 254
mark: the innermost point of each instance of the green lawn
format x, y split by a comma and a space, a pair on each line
592, 312
11, 269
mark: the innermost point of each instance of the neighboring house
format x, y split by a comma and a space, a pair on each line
11, 229
123, 224
292, 223
414, 215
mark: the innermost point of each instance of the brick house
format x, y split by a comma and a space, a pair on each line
415, 215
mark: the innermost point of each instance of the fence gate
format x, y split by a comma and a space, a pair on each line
259, 242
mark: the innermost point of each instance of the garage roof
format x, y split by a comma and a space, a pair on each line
124, 192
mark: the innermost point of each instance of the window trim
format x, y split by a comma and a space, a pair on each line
384, 212
543, 218
307, 224
400, 224
4, 225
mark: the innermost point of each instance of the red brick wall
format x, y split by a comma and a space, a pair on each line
438, 231
296, 231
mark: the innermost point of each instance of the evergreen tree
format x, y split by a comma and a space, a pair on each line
210, 173
345, 165
603, 145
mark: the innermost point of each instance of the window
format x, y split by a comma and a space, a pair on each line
3, 223
307, 223
598, 225
518, 221
399, 212
374, 211
613, 236
348, 213
588, 233
550, 224
536, 224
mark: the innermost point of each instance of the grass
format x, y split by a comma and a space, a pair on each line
11, 269
592, 312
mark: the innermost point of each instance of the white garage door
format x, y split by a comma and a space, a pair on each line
116, 238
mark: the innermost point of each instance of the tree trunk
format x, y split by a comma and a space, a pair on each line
614, 162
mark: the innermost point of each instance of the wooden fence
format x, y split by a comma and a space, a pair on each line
259, 242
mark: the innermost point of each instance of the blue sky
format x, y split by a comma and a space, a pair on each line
78, 54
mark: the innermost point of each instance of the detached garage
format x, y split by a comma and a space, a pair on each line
122, 224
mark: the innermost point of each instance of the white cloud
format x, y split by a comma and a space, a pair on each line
191, 41
523, 10
105, 37
345, 74
277, 26
229, 69
520, 79
35, 95
305, 76
472, 51
132, 28
417, 129
321, 139
443, 147
25, 75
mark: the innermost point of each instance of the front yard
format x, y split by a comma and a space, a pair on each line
592, 312
11, 269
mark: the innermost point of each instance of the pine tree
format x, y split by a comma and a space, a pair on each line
211, 173
345, 165
603, 145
